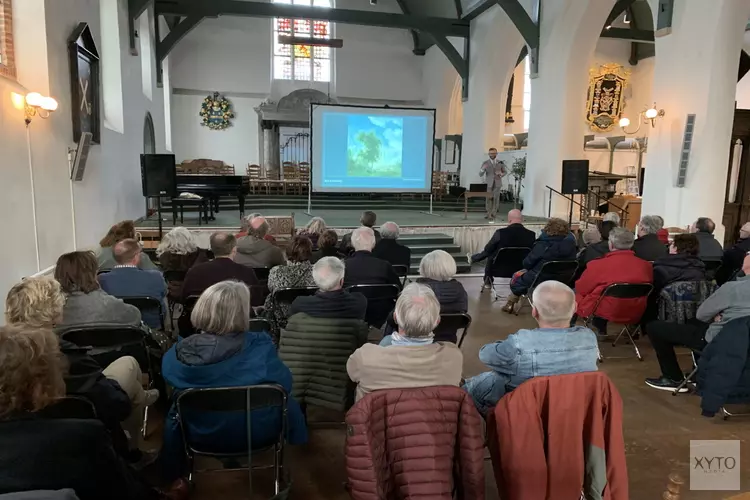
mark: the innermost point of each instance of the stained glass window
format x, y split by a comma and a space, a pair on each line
7, 64
302, 62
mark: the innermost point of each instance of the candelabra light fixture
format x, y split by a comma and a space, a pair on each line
34, 104
647, 115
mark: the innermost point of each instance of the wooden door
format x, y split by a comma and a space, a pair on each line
737, 211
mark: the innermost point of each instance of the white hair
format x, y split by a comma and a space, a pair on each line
328, 273
621, 239
316, 225
650, 224
592, 235
611, 217
555, 302
438, 265
417, 311
389, 230
223, 308
179, 241
363, 238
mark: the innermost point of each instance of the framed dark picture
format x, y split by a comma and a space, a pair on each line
450, 152
84, 81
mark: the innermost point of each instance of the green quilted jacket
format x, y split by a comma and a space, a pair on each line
316, 351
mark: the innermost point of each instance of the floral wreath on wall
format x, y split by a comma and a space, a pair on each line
216, 112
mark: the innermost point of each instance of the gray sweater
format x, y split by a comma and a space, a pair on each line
106, 260
732, 301
97, 308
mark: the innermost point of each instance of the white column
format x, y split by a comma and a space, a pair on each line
569, 32
695, 75
495, 45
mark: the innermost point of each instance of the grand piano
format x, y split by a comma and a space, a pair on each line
213, 186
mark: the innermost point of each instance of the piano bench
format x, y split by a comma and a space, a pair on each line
201, 203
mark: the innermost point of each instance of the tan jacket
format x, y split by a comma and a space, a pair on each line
403, 367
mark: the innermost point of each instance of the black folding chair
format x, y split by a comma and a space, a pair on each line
173, 277
712, 267
623, 291
260, 325
245, 399
285, 296
563, 271
506, 262
262, 273
381, 299
76, 407
147, 304
107, 344
103, 271
457, 321
402, 272
695, 354
183, 322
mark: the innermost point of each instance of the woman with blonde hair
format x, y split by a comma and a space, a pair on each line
226, 353
40, 452
177, 253
124, 230
313, 230
116, 392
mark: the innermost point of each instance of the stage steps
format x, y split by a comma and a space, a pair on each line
422, 244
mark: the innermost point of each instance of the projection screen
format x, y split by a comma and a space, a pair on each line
360, 149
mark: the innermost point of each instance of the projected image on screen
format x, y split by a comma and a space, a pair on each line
374, 146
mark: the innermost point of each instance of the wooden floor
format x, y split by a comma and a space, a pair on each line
657, 426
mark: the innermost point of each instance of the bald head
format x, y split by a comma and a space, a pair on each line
127, 252
554, 304
515, 216
257, 227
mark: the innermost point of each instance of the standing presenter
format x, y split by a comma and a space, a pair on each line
494, 170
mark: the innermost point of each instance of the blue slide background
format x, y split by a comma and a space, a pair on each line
403, 141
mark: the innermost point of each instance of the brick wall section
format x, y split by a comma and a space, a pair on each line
7, 67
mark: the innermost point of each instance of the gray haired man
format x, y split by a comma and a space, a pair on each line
332, 301
493, 170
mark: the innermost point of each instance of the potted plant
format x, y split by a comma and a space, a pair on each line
518, 172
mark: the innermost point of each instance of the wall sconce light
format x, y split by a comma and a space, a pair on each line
648, 114
34, 104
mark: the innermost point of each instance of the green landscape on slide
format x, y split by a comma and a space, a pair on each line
375, 152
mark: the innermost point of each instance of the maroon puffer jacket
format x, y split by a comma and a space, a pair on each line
422, 443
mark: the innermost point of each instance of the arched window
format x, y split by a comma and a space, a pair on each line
526, 94
308, 63
7, 62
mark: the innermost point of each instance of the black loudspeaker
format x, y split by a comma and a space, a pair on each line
158, 175
575, 176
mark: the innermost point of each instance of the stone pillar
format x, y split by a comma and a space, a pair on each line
694, 75
569, 32
271, 149
495, 45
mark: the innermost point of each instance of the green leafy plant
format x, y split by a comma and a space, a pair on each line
518, 172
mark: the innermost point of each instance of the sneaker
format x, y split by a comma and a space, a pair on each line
664, 384
468, 257
152, 396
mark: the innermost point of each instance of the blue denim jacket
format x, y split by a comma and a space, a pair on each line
531, 353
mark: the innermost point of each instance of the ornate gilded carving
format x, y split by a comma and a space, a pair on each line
605, 100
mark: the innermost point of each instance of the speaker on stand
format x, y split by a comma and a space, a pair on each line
575, 180
158, 178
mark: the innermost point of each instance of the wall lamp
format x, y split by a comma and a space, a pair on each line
647, 115
34, 104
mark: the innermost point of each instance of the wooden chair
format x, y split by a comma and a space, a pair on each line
255, 175
439, 184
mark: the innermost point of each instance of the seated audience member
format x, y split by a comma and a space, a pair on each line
178, 252
246, 223
436, 271
86, 303
225, 354
413, 359
733, 257
296, 273
389, 249
647, 246
367, 219
710, 249
592, 238
362, 267
730, 301
40, 452
620, 265
327, 246
604, 228
555, 243
662, 233
682, 263
116, 392
254, 250
612, 217
313, 230
126, 280
513, 235
332, 301
124, 230
222, 268
554, 348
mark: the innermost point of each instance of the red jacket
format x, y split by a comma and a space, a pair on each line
663, 235
552, 435
620, 266
415, 444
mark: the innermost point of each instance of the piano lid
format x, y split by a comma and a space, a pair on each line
608, 176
